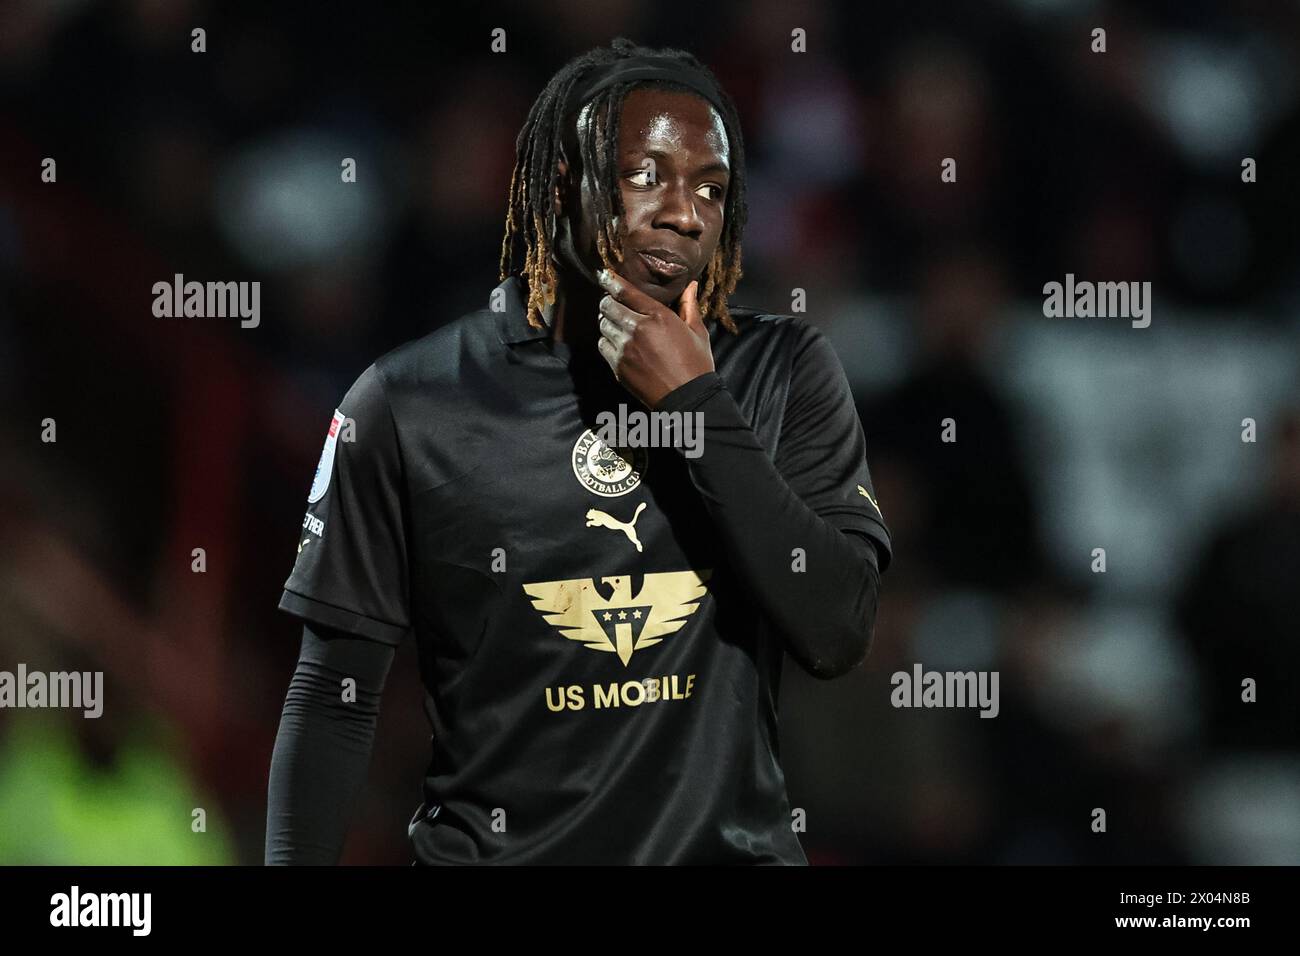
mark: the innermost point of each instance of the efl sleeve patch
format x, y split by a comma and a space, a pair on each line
320, 484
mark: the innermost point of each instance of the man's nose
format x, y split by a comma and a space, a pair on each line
678, 210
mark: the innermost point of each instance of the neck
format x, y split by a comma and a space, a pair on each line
574, 317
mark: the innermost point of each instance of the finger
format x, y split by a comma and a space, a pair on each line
616, 335
690, 309
625, 292
610, 352
621, 315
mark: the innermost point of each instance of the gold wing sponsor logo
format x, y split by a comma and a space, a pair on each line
606, 470
623, 623
864, 493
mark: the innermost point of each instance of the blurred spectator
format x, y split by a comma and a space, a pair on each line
967, 505
1239, 610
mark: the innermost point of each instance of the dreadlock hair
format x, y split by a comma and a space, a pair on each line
530, 213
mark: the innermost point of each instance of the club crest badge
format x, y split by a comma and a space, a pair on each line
605, 470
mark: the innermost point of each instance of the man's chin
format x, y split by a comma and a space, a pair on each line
663, 294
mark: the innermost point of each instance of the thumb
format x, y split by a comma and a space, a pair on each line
690, 309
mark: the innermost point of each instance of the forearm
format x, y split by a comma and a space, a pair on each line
322, 750
825, 612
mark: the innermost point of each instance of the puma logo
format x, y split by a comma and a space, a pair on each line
863, 491
599, 519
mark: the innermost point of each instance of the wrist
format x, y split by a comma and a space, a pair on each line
689, 395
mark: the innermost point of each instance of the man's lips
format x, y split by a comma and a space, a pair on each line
663, 263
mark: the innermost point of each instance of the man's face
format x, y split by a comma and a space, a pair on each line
672, 219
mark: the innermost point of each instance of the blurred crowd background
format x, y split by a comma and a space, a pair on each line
1119, 690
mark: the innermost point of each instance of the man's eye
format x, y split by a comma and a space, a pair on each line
716, 191
642, 177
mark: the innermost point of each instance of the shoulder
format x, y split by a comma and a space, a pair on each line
439, 357
424, 374
774, 326
788, 356
789, 340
